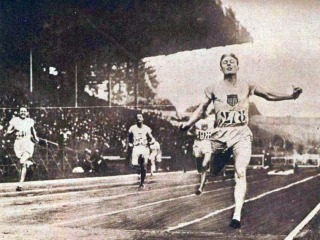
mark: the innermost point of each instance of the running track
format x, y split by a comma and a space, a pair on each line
277, 207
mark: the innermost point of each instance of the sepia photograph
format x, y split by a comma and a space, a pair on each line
159, 120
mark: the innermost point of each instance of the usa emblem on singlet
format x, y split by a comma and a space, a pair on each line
232, 99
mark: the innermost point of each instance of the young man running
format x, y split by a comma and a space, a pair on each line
230, 98
202, 149
23, 128
155, 156
139, 137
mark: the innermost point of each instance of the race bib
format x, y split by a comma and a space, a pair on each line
140, 141
231, 118
204, 135
21, 134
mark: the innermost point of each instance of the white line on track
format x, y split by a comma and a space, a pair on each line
56, 192
87, 180
133, 208
141, 206
4, 201
181, 225
92, 217
102, 199
120, 211
304, 222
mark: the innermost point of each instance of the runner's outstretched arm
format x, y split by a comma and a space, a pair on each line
270, 96
197, 114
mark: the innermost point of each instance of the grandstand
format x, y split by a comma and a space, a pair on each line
101, 130
62, 57
56, 58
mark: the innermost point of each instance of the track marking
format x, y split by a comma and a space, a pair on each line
102, 181
304, 222
100, 199
99, 190
120, 211
92, 217
141, 206
57, 190
162, 234
4, 201
223, 235
181, 225
119, 179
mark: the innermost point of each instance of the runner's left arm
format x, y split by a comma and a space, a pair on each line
151, 138
271, 96
34, 134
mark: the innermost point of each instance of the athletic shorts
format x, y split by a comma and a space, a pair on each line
241, 151
155, 155
137, 152
22, 146
231, 135
200, 148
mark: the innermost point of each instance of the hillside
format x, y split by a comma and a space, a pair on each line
303, 131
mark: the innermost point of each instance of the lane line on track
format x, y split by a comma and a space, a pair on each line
162, 234
90, 190
92, 217
141, 206
181, 225
100, 199
112, 198
4, 201
119, 211
126, 182
72, 189
304, 222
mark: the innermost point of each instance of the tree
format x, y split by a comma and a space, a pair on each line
65, 34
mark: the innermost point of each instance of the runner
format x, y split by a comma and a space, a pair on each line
230, 98
139, 137
26, 136
155, 156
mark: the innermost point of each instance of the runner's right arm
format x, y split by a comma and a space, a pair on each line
11, 129
197, 114
130, 140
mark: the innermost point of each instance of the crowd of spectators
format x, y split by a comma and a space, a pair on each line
73, 133
101, 131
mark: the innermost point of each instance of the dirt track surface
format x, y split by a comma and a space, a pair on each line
114, 208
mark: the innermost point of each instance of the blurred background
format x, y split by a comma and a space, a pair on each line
85, 69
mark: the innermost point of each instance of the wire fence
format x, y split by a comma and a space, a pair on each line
50, 161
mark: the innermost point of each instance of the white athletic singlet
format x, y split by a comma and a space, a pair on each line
231, 104
155, 146
22, 127
203, 130
140, 134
